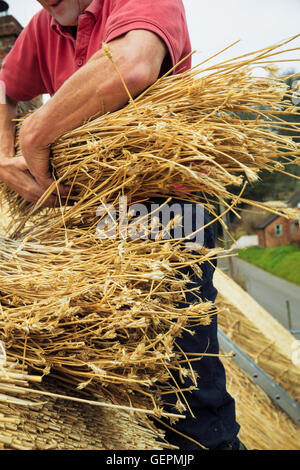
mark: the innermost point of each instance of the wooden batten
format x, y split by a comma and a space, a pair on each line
258, 333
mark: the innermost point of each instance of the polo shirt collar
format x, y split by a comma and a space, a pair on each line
94, 9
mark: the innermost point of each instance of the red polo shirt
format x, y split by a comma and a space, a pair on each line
46, 54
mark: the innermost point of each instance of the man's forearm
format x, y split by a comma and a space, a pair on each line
93, 90
8, 112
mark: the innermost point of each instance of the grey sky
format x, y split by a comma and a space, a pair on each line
218, 23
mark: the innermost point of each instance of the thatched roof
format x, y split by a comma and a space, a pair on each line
292, 202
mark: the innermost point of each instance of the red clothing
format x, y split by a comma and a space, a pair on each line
46, 54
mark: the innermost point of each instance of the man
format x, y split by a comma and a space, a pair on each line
60, 53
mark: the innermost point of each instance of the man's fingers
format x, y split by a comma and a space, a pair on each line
20, 163
37, 160
34, 194
64, 191
57, 189
44, 182
22, 182
15, 173
53, 201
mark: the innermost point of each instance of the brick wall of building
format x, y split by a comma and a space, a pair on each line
278, 233
261, 238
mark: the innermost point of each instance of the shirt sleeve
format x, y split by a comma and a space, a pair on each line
20, 69
166, 18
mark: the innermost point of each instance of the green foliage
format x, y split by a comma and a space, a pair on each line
282, 261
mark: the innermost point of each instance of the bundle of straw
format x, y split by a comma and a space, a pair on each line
184, 130
102, 314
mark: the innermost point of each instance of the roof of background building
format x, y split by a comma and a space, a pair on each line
291, 202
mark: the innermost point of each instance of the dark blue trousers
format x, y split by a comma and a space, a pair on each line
214, 424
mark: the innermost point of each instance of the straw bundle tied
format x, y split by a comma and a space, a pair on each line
41, 417
103, 315
184, 129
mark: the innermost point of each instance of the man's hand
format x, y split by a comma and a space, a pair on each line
14, 172
36, 157
35, 153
